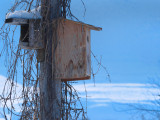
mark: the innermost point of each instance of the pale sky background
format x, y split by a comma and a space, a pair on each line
129, 46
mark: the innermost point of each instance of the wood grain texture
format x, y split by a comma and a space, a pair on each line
50, 87
16, 21
35, 40
73, 60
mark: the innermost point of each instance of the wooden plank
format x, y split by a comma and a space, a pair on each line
88, 51
17, 21
35, 40
50, 87
80, 23
24, 45
87, 25
71, 52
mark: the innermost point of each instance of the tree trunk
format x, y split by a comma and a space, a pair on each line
50, 88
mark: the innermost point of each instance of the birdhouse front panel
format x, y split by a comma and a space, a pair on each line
31, 35
72, 55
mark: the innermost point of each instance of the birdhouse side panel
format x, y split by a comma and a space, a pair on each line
88, 52
71, 52
35, 37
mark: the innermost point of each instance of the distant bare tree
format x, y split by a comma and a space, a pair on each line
150, 110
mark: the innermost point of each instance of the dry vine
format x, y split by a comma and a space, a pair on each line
17, 59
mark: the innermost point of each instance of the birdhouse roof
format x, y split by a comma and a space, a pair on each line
22, 17
33, 14
80, 23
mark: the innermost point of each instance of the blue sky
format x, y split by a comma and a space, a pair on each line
129, 47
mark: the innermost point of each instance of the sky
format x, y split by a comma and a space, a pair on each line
128, 46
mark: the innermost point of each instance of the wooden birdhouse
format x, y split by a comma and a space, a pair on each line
30, 37
29, 27
73, 43
73, 51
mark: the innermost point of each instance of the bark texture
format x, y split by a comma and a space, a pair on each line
50, 88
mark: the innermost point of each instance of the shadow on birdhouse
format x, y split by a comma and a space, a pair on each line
24, 37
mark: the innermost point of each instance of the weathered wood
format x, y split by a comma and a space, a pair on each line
17, 21
31, 35
73, 52
35, 40
91, 27
50, 87
40, 55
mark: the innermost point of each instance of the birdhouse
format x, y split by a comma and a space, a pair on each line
30, 37
29, 27
73, 43
73, 50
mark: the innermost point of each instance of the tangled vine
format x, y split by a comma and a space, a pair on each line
28, 98
23, 102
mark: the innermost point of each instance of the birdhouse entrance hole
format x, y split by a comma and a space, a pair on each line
24, 33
